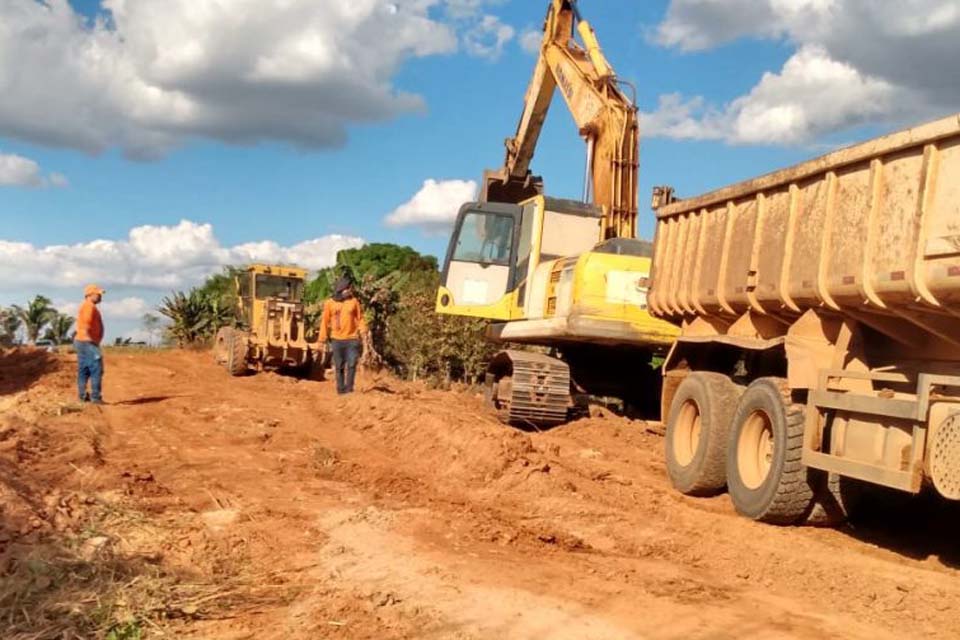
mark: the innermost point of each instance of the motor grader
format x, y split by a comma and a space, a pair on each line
271, 332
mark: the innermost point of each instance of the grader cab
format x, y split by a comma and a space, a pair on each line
271, 331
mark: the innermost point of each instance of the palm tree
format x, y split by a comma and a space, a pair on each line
195, 316
9, 326
59, 328
35, 316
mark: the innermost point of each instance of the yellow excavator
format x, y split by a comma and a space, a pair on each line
567, 275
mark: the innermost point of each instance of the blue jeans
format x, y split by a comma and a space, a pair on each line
89, 367
346, 354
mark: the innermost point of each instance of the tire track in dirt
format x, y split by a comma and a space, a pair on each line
404, 512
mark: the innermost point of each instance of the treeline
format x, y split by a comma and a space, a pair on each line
397, 288
37, 320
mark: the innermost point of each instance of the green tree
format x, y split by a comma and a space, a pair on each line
9, 326
58, 329
414, 330
152, 325
397, 289
35, 316
195, 316
371, 262
222, 287
320, 288
381, 259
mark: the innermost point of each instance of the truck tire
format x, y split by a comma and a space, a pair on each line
221, 348
696, 435
765, 478
237, 354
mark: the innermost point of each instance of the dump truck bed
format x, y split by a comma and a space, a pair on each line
873, 228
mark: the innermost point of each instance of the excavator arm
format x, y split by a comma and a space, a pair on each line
604, 115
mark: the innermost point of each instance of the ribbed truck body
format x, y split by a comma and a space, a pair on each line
876, 227
836, 284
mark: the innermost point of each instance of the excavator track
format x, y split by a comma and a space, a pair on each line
529, 389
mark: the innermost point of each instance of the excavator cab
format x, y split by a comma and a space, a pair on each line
481, 263
496, 248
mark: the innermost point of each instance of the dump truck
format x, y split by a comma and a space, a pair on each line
819, 309
271, 331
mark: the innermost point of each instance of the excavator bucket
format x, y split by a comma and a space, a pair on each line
498, 187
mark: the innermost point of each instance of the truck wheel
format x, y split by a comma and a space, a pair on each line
696, 437
765, 477
221, 345
237, 354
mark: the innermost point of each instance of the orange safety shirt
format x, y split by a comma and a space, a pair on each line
89, 323
342, 320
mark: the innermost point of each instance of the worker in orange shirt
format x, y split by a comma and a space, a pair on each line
342, 324
87, 344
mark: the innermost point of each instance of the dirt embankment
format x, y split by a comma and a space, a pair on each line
196, 505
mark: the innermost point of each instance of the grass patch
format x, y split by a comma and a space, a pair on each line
83, 586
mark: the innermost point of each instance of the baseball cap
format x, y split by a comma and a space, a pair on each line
91, 289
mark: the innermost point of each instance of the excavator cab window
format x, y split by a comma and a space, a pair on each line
486, 238
482, 257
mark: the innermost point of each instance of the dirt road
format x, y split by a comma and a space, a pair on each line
266, 507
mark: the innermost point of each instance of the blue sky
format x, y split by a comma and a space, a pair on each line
276, 190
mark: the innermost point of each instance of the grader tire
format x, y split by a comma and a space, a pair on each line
765, 477
696, 435
221, 345
237, 354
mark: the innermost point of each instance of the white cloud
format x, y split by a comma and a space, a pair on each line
435, 205
17, 171
487, 38
682, 119
153, 73
813, 95
531, 39
128, 308
58, 180
694, 25
856, 62
152, 257
468, 8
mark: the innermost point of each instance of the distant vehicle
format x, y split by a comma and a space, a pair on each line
46, 345
129, 342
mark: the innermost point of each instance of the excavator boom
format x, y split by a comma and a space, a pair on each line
605, 117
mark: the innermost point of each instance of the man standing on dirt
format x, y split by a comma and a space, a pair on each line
87, 344
342, 323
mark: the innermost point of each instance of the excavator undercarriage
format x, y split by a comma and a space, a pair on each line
528, 388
